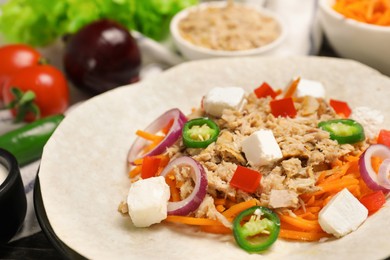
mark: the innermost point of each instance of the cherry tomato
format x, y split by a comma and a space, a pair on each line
49, 86
15, 57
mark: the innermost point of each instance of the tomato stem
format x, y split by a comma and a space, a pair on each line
23, 104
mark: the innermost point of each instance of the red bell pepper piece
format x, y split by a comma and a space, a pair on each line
283, 107
245, 179
150, 166
373, 201
384, 137
340, 107
265, 90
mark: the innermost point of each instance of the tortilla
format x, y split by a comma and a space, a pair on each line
83, 172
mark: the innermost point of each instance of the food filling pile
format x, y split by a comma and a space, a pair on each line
262, 165
229, 28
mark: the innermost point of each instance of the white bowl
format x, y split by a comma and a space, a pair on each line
194, 52
366, 43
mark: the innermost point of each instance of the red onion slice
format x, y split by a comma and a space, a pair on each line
192, 202
384, 174
368, 174
172, 136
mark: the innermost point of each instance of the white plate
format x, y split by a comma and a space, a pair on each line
83, 169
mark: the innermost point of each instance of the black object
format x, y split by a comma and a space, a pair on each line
13, 203
65, 251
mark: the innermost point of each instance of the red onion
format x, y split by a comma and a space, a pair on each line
384, 174
368, 174
192, 202
172, 136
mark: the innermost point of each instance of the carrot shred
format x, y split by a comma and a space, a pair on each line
220, 208
216, 229
135, 171
175, 193
193, 221
375, 12
149, 136
234, 210
302, 224
302, 235
292, 88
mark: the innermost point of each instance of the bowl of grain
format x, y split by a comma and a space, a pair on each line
226, 29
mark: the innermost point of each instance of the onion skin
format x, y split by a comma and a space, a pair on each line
101, 56
192, 202
383, 174
172, 136
366, 171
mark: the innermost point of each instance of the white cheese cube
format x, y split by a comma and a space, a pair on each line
261, 148
312, 88
147, 201
343, 214
220, 98
371, 120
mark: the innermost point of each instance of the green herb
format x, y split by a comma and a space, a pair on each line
41, 22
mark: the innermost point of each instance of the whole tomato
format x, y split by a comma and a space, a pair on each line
14, 57
50, 89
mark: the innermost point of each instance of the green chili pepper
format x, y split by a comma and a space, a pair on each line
344, 131
26, 143
200, 132
259, 232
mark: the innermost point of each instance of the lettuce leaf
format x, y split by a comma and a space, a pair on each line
41, 22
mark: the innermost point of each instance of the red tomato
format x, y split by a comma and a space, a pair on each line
48, 84
15, 57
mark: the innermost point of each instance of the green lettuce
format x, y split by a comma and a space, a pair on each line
41, 22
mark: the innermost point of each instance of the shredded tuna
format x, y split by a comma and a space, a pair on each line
306, 150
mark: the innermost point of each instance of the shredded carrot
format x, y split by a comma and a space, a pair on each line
219, 201
234, 210
220, 208
292, 88
149, 136
376, 163
300, 223
135, 171
375, 12
193, 221
302, 235
303, 224
166, 128
338, 172
216, 229
175, 193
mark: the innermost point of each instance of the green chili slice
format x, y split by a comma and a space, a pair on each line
200, 132
344, 131
256, 229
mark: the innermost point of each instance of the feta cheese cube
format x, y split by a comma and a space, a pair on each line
261, 148
220, 98
147, 201
371, 120
312, 88
343, 214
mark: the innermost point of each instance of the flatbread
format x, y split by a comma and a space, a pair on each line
83, 172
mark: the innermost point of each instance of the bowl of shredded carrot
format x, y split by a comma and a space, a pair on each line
359, 30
